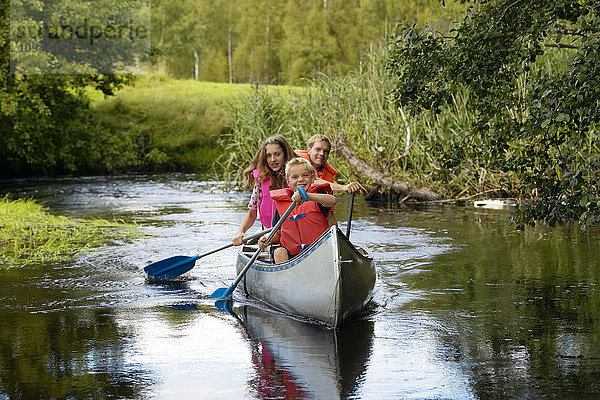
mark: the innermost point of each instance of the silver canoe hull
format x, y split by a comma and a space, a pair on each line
329, 282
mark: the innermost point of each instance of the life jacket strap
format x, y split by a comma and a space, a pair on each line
297, 217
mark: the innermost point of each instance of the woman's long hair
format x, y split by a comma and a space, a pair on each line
260, 162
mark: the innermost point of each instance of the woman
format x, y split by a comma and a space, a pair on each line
265, 173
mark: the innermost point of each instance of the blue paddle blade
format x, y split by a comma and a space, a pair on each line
224, 305
171, 267
222, 293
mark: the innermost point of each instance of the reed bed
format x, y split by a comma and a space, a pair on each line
30, 234
427, 150
434, 150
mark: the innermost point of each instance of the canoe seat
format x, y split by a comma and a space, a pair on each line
363, 251
249, 251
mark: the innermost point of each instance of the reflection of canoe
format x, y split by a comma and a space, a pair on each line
329, 281
293, 359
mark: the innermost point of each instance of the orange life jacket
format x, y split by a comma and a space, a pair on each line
306, 223
326, 172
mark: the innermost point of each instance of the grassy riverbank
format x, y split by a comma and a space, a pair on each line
31, 235
165, 124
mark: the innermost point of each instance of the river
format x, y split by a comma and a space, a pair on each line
465, 307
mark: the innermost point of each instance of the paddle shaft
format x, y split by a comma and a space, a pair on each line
350, 216
245, 239
257, 252
175, 266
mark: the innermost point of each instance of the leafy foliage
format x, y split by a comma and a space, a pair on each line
44, 118
277, 41
528, 119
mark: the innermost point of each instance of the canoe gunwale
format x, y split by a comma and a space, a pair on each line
263, 266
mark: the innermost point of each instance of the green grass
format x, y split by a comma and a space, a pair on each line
168, 124
149, 87
29, 234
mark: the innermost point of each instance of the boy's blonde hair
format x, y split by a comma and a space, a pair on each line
298, 161
318, 138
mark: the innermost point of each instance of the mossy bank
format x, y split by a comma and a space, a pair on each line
30, 234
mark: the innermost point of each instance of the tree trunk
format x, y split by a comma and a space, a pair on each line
229, 50
267, 43
229, 56
163, 25
196, 62
404, 189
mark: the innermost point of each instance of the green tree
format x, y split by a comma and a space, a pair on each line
181, 34
309, 47
260, 32
275, 41
537, 122
45, 124
219, 17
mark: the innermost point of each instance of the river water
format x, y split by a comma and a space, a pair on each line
465, 307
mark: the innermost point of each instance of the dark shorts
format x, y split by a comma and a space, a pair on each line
272, 252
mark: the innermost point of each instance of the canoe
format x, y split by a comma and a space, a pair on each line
329, 282
495, 204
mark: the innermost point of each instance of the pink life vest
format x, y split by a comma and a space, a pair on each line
267, 205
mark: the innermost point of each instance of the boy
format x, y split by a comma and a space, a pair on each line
309, 218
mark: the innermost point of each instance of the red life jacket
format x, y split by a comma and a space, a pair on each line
266, 210
326, 173
306, 223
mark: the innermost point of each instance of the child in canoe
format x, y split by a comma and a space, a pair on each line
309, 219
265, 173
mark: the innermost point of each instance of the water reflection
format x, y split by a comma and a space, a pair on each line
468, 307
518, 311
78, 354
297, 360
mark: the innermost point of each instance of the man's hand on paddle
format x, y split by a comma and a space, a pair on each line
354, 187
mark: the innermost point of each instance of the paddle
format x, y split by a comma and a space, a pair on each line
226, 293
350, 216
174, 266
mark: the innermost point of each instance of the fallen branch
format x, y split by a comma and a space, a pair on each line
562, 45
405, 189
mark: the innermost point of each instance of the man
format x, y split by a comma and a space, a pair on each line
317, 153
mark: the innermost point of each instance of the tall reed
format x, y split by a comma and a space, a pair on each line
428, 150
256, 115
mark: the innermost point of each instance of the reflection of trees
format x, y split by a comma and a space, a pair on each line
72, 354
519, 310
531, 349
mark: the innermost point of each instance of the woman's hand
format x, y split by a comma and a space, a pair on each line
238, 239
